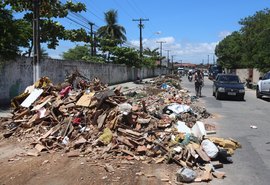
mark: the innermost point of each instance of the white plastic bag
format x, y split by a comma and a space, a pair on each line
210, 148
185, 175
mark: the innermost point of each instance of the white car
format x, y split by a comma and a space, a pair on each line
205, 74
263, 86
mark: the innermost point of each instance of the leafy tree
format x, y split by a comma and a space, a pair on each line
13, 34
256, 30
150, 57
77, 53
125, 55
229, 51
81, 53
51, 31
248, 47
149, 62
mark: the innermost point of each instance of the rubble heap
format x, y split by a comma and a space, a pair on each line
157, 123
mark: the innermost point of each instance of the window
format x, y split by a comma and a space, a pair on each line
266, 76
228, 78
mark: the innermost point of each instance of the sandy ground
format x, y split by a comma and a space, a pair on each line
57, 168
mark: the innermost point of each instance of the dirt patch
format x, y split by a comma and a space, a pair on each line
58, 169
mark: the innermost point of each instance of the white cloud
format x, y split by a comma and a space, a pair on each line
187, 52
223, 34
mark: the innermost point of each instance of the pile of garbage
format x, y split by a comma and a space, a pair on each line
157, 123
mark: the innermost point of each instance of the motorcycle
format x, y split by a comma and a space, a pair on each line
190, 78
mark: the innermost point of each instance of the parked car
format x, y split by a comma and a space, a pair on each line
228, 85
263, 86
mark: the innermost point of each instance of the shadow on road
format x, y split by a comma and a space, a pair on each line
265, 99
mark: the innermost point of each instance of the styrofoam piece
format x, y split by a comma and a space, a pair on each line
32, 97
198, 130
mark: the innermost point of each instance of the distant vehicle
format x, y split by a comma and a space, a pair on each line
180, 71
263, 86
228, 85
205, 74
213, 71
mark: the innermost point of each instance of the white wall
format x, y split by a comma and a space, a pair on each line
16, 75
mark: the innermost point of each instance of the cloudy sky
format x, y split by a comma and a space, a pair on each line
190, 28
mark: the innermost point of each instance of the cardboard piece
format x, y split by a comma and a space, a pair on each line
85, 100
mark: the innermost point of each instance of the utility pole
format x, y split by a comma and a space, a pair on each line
208, 59
172, 61
168, 59
141, 27
95, 44
92, 38
36, 41
160, 53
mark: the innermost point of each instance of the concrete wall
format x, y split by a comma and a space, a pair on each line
243, 74
16, 75
252, 74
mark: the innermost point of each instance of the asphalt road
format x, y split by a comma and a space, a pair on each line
233, 120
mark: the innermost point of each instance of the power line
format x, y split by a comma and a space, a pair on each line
78, 23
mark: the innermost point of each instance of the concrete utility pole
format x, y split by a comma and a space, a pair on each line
141, 27
172, 60
36, 41
92, 38
95, 44
160, 53
168, 59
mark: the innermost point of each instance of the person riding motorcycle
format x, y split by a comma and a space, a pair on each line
198, 79
190, 76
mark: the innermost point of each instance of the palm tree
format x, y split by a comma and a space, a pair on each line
111, 34
152, 53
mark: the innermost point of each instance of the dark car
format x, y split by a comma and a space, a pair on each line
228, 85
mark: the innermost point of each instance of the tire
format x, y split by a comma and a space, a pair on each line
213, 93
241, 98
258, 94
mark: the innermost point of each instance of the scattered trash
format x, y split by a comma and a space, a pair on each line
210, 148
185, 175
253, 126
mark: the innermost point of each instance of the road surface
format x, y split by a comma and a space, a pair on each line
234, 119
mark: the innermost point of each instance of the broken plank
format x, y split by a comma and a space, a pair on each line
127, 131
202, 154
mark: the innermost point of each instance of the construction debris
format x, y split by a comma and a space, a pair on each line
158, 123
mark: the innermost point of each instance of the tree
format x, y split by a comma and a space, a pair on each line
229, 51
51, 31
256, 30
248, 47
14, 33
127, 56
150, 57
111, 34
81, 53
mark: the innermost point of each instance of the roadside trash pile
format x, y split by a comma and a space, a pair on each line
157, 123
